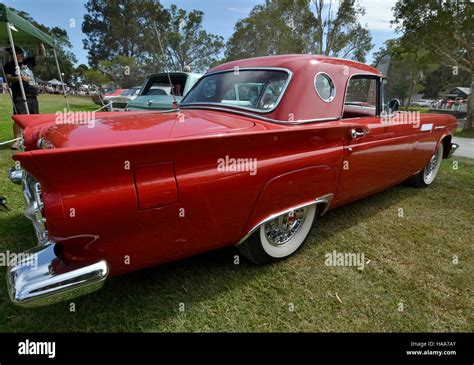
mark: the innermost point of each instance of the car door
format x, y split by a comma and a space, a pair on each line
378, 152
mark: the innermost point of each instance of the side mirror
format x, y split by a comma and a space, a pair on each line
394, 105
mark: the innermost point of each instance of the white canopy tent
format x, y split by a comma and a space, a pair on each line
55, 82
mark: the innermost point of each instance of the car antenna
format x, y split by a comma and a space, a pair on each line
175, 103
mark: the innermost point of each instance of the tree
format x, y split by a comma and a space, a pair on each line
78, 74
46, 68
442, 79
324, 27
276, 27
410, 63
94, 77
340, 33
122, 28
123, 71
187, 44
136, 29
445, 28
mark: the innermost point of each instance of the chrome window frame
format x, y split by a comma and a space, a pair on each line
236, 107
227, 108
377, 78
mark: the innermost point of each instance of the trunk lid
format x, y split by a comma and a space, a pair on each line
143, 127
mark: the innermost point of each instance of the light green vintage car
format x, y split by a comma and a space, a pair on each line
157, 92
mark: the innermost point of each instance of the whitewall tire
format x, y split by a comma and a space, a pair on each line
426, 176
280, 237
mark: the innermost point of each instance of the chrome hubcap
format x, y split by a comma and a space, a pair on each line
284, 227
432, 168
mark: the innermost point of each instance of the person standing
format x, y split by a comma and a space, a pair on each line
26, 67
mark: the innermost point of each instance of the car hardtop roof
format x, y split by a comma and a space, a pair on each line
295, 62
176, 73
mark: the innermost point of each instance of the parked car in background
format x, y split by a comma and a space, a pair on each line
119, 103
250, 159
423, 103
157, 92
104, 95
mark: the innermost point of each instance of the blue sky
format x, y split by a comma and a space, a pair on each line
220, 17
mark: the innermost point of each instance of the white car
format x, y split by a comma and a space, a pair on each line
424, 103
119, 103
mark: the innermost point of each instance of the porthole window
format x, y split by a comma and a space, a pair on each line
324, 87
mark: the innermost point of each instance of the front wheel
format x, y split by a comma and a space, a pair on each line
280, 237
426, 176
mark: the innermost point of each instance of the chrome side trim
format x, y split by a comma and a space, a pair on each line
454, 147
325, 199
15, 175
260, 117
33, 281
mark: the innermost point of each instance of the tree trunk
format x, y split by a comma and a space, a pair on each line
413, 74
470, 107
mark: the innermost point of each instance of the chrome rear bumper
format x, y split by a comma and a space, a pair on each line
41, 278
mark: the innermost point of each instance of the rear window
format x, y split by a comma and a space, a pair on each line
259, 90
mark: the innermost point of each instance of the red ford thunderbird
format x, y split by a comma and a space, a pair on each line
256, 152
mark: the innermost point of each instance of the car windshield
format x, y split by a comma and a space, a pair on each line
259, 90
131, 92
159, 90
160, 84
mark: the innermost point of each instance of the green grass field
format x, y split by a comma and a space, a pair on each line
465, 133
411, 266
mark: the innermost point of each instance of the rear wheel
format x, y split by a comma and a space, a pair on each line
279, 238
426, 176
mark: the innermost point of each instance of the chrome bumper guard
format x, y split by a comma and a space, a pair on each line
33, 281
454, 147
15, 175
34, 202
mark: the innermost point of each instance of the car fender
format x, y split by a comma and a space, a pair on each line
294, 189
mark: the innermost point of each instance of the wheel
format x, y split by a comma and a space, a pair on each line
426, 176
279, 238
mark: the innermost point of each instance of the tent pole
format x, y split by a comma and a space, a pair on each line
61, 79
17, 68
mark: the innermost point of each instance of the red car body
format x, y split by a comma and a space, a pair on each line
141, 189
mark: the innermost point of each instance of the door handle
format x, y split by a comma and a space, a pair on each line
355, 134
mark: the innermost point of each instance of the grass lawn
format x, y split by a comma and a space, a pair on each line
412, 265
466, 134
